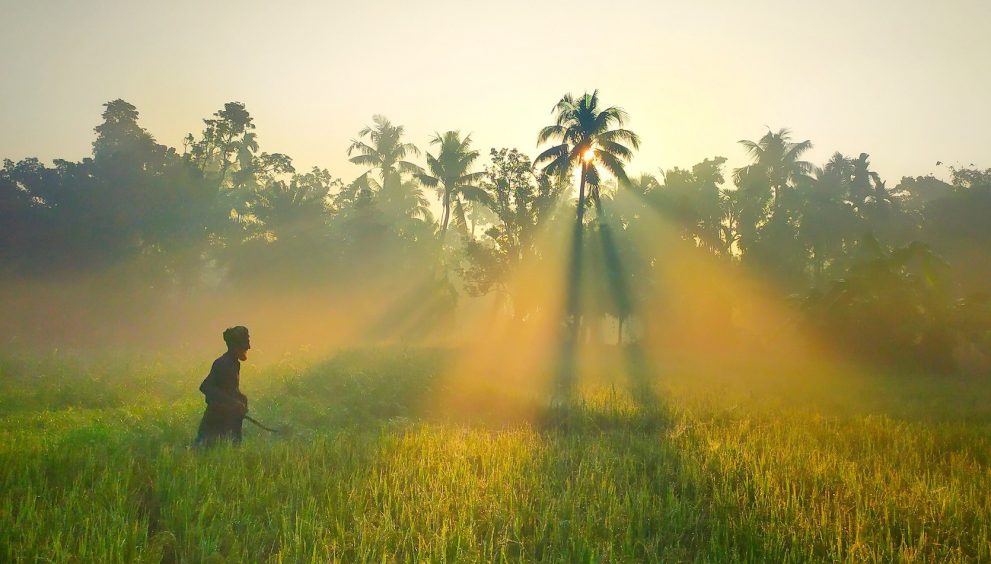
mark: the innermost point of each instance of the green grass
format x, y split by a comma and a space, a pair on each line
95, 465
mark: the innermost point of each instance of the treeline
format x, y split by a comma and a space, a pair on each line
897, 271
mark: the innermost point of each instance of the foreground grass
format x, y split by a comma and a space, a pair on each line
101, 470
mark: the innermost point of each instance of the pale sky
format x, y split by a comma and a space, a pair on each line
907, 81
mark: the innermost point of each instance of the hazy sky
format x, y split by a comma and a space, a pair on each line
907, 81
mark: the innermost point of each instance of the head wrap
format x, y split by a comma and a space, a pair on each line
236, 336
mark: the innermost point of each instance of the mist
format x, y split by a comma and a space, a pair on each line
441, 243
495, 321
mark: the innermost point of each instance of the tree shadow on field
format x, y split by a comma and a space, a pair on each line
613, 485
592, 481
567, 361
648, 412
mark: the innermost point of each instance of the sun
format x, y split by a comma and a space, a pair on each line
588, 155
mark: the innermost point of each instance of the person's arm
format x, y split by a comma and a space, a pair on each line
216, 395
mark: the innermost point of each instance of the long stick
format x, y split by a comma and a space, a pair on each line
256, 422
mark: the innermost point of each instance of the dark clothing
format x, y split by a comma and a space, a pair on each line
219, 424
226, 406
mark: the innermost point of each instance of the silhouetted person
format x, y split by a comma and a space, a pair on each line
226, 406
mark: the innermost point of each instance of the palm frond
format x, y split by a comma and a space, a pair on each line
407, 167
427, 180
796, 150
471, 178
621, 151
565, 104
365, 160
361, 147
612, 164
753, 149
551, 155
551, 132
621, 136
592, 177
609, 116
479, 195
404, 149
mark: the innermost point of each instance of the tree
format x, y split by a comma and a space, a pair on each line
294, 211
776, 161
135, 200
621, 261
406, 207
23, 214
285, 231
450, 172
890, 304
767, 208
522, 201
384, 151
828, 219
957, 227
640, 191
916, 192
885, 212
225, 154
695, 200
861, 191
397, 202
228, 136
120, 132
586, 139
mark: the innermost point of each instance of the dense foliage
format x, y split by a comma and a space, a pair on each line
221, 215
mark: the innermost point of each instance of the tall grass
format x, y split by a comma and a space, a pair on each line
96, 465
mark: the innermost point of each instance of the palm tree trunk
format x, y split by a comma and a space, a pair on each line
447, 214
574, 282
581, 195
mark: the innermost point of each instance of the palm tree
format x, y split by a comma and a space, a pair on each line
869, 194
449, 172
292, 210
384, 151
776, 159
586, 137
642, 185
405, 201
860, 180
827, 219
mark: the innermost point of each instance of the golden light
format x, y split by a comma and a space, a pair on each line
588, 155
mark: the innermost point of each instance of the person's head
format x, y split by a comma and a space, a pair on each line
237, 341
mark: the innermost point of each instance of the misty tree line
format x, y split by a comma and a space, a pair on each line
886, 271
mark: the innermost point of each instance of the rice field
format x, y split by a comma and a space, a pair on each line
96, 466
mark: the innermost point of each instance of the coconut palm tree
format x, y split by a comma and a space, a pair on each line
827, 219
384, 151
295, 209
405, 201
586, 137
775, 160
450, 173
